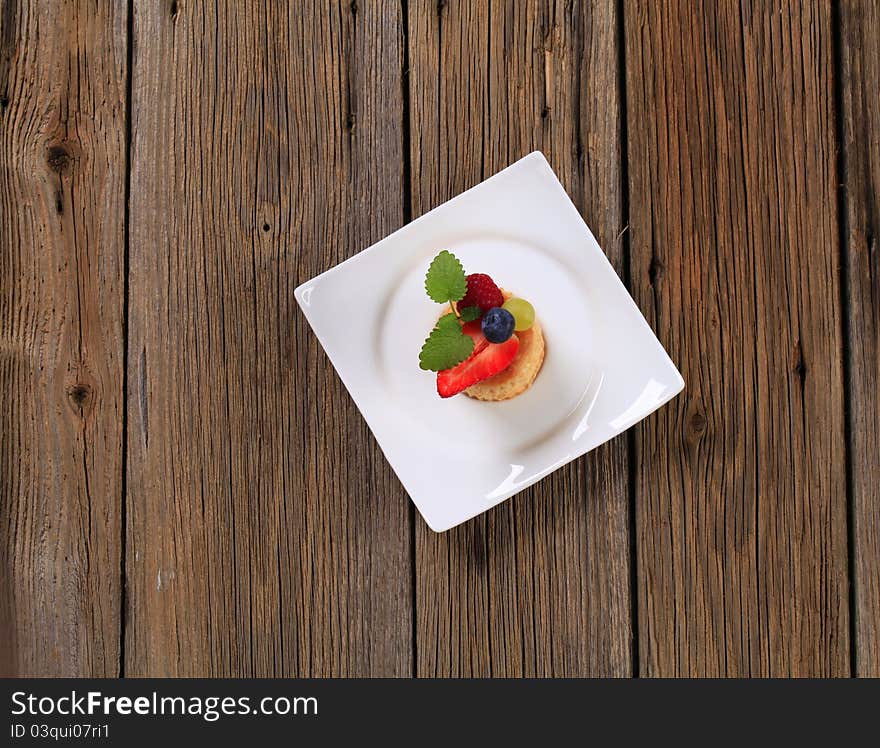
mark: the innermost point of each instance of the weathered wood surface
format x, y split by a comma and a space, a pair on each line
860, 118
62, 208
266, 533
539, 586
727, 162
741, 482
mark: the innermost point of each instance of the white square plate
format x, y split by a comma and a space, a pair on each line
604, 369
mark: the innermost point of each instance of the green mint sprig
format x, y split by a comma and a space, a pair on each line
470, 313
447, 345
446, 280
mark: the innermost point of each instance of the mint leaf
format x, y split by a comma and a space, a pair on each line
448, 321
445, 280
446, 346
470, 313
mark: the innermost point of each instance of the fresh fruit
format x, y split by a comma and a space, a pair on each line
487, 360
475, 331
474, 339
498, 324
522, 311
481, 292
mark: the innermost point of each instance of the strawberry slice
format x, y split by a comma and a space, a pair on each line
487, 360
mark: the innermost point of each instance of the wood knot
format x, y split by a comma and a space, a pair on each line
173, 10
441, 4
697, 423
655, 270
268, 219
79, 394
354, 7
58, 158
4, 102
545, 112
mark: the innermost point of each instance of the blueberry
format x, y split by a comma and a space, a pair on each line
498, 325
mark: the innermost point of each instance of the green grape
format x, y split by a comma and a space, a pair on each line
522, 311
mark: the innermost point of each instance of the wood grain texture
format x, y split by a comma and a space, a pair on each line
538, 586
267, 535
741, 493
62, 198
860, 89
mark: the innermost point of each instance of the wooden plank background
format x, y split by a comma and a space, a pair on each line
259, 542
187, 488
741, 493
859, 118
62, 247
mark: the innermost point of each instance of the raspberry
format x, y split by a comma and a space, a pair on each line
481, 292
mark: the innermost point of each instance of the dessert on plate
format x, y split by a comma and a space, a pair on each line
487, 342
